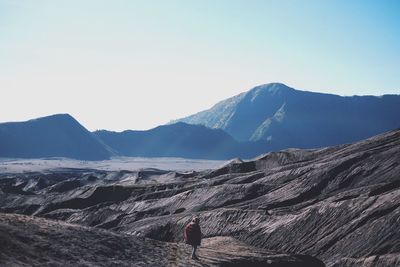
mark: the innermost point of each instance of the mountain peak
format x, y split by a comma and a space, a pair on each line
59, 116
275, 85
270, 89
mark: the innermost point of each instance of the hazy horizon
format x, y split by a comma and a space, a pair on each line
121, 65
46, 115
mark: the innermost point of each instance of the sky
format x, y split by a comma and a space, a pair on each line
121, 65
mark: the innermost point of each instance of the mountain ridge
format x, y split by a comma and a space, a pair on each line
268, 117
179, 140
325, 119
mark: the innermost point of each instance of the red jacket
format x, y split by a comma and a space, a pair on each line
192, 234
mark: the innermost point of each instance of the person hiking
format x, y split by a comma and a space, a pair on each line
192, 235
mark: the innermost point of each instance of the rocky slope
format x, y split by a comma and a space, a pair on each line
32, 241
287, 117
339, 204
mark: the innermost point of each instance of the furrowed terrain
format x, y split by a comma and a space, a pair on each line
339, 204
32, 241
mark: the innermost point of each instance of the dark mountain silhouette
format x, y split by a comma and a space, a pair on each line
291, 118
180, 140
53, 136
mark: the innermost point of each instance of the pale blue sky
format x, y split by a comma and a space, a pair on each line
137, 64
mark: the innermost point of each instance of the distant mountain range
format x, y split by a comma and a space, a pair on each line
266, 118
180, 140
286, 117
61, 135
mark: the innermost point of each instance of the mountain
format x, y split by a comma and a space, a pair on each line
269, 117
339, 204
53, 136
286, 117
180, 140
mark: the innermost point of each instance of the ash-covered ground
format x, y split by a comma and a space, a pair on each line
337, 205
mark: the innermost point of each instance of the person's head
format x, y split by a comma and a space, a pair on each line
196, 220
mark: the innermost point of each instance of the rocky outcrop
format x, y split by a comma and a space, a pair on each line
339, 204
